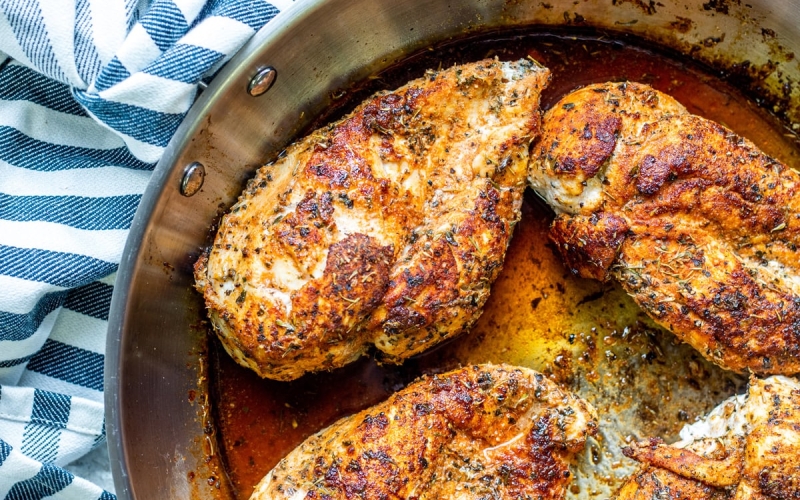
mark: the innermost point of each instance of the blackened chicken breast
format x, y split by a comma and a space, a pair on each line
700, 227
386, 228
487, 431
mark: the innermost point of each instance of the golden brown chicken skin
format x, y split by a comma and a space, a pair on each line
660, 484
696, 223
487, 431
386, 228
751, 451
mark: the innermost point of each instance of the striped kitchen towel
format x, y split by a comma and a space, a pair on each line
91, 92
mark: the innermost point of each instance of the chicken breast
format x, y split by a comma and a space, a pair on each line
700, 227
748, 448
387, 227
488, 431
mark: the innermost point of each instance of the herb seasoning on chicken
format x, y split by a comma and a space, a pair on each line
748, 448
487, 431
699, 226
387, 227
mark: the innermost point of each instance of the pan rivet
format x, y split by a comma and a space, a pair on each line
262, 81
193, 177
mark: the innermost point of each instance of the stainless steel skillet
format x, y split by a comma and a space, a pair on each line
155, 421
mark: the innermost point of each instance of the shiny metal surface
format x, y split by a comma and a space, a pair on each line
193, 176
155, 426
262, 81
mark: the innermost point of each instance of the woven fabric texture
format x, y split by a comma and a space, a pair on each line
91, 91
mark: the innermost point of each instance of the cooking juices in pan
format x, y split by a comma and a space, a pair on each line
589, 336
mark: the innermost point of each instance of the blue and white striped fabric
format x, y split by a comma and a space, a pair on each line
91, 91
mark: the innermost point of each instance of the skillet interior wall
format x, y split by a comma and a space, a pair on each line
319, 46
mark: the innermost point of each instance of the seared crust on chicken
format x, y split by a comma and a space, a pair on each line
698, 225
488, 431
744, 450
653, 483
387, 227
